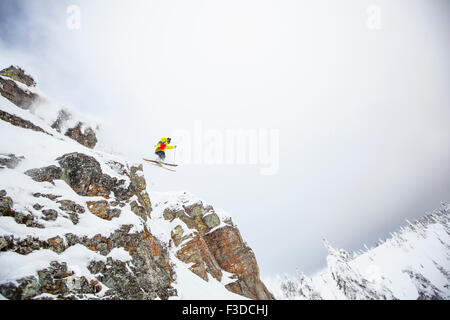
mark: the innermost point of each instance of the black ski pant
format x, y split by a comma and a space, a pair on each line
161, 154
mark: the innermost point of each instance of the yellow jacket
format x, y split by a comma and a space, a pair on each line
162, 145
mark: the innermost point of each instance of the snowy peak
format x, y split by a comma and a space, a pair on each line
413, 264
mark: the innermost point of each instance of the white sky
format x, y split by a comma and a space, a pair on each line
363, 114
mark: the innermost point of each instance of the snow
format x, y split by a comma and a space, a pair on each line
46, 296
35, 147
22, 86
175, 202
190, 286
421, 248
119, 254
15, 266
45, 110
21, 187
41, 150
390, 261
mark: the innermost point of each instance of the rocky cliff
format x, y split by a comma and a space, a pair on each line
210, 242
16, 86
80, 223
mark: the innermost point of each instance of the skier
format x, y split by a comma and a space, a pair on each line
162, 145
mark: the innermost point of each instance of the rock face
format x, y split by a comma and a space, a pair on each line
6, 210
24, 98
54, 280
102, 209
18, 74
213, 246
147, 275
48, 174
19, 122
21, 98
86, 138
234, 256
84, 175
144, 273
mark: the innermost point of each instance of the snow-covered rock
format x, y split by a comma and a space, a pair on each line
18, 88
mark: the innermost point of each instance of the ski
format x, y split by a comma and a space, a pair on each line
161, 166
160, 162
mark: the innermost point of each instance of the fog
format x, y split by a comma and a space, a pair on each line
356, 90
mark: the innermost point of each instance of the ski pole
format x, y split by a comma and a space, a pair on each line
175, 155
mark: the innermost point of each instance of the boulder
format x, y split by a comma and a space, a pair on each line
50, 214
85, 137
84, 175
9, 161
211, 220
102, 210
24, 99
18, 74
63, 116
6, 210
72, 209
70, 206
6, 202
48, 174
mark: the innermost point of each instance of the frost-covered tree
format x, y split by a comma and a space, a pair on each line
289, 288
425, 289
350, 281
299, 288
306, 288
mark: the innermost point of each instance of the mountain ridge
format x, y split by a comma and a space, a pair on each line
412, 264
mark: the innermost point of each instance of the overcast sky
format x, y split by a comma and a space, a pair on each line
362, 108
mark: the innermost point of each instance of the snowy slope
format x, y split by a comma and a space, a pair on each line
41, 149
413, 264
46, 111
